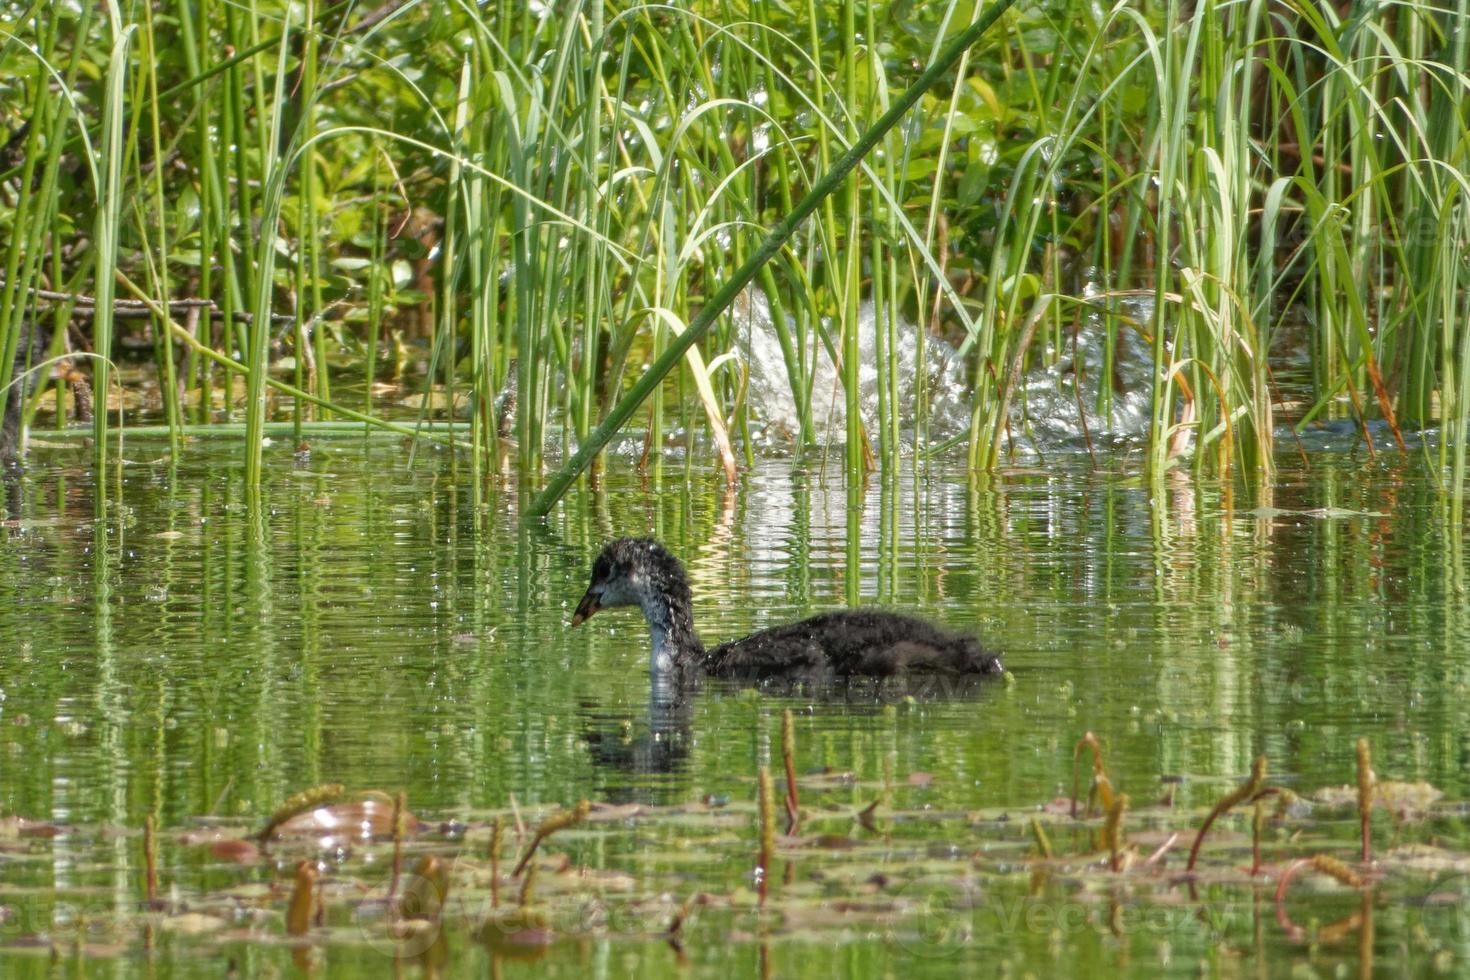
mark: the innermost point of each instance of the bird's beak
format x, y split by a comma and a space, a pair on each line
586, 608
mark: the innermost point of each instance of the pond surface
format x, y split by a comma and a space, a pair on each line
381, 630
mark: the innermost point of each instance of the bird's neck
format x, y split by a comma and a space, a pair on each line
671, 633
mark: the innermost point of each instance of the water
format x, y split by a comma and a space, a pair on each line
1058, 405
1057, 401
379, 630
1055, 406
769, 390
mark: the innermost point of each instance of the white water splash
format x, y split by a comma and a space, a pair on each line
1056, 406
769, 392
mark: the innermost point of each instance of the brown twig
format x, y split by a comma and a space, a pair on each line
136, 309
1284, 800
1245, 791
515, 813
303, 900
674, 934
496, 830
1161, 850
528, 887
1323, 863
1258, 821
1365, 795
1282, 919
549, 826
1113, 830
766, 800
788, 757
397, 824
1100, 783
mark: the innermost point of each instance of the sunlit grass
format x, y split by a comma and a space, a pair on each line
582, 183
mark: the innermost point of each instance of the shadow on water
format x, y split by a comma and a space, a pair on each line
634, 756
10, 488
637, 755
27, 369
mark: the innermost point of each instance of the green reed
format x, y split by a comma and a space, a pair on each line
159, 247
28, 213
1267, 177
106, 222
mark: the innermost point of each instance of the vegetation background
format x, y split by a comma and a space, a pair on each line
534, 198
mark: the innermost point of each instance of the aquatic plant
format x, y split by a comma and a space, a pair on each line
893, 882
572, 204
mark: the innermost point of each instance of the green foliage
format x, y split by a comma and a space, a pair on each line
543, 195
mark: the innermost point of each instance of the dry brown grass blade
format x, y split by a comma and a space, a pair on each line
549, 826
766, 802
788, 759
1101, 786
1366, 780
1113, 831
1245, 791
303, 900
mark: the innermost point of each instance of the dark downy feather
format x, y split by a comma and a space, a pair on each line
849, 643
852, 642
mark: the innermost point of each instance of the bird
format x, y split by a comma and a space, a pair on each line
849, 643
